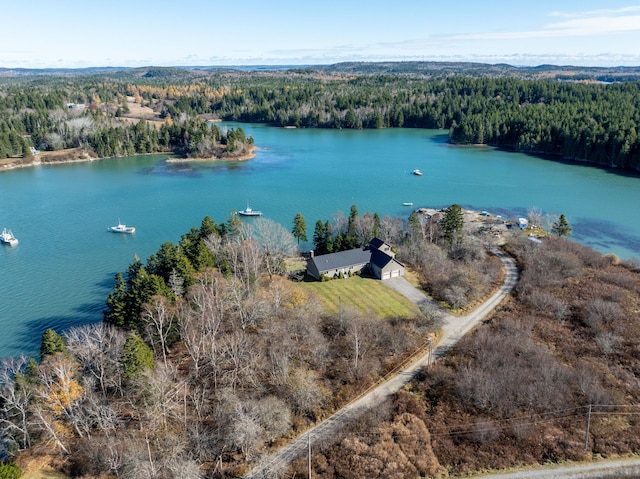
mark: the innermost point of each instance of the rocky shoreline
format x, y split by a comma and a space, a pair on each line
79, 155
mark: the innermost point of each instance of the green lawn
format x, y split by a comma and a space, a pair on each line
363, 294
44, 474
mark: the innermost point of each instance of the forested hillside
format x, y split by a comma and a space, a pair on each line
555, 111
209, 354
54, 114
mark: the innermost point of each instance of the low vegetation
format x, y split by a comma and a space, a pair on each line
522, 389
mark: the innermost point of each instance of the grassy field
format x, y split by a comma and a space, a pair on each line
362, 294
44, 474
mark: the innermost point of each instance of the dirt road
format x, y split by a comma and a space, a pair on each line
615, 468
453, 329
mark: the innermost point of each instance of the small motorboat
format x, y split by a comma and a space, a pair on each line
417, 172
120, 228
408, 203
7, 237
249, 212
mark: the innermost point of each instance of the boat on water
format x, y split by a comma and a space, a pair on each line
417, 172
7, 237
249, 212
408, 203
120, 228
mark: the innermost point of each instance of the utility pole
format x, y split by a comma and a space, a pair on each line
309, 452
586, 436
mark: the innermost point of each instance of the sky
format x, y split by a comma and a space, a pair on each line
131, 33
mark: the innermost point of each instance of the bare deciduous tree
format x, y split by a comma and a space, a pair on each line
276, 243
99, 347
159, 320
15, 396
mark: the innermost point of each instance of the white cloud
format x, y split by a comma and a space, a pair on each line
590, 23
598, 13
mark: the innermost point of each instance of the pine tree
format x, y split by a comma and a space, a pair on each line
116, 311
137, 356
51, 343
377, 225
299, 228
320, 238
415, 226
561, 227
452, 222
10, 471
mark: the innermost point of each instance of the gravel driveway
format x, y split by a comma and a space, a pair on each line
407, 290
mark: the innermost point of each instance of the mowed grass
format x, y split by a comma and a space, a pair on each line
362, 294
44, 474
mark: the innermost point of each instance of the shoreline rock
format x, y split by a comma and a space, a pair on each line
81, 156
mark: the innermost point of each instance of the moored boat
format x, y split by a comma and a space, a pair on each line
249, 212
120, 228
7, 237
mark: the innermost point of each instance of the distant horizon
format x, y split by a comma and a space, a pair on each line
63, 35
282, 66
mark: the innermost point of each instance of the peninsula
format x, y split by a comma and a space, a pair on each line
102, 130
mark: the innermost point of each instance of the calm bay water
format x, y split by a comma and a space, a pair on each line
62, 270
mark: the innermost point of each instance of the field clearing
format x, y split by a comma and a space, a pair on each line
362, 294
44, 474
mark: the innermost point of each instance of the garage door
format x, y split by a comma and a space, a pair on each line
395, 273
386, 275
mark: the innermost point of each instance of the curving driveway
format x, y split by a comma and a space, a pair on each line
453, 329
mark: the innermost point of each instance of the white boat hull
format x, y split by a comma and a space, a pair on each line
6, 237
122, 229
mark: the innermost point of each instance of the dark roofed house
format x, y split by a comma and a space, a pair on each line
378, 244
332, 264
378, 256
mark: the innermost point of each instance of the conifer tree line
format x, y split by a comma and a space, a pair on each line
48, 118
595, 122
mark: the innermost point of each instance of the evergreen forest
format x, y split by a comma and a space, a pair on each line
569, 117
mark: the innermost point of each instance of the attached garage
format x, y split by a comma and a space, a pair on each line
385, 266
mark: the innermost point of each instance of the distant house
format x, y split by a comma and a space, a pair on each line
523, 223
377, 256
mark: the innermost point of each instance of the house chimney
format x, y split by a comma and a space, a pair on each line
311, 253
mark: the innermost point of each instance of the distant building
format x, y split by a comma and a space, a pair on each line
76, 106
523, 223
377, 256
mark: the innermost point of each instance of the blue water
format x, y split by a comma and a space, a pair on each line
62, 270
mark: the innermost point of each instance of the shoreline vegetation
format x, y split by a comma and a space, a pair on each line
565, 113
175, 319
78, 155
